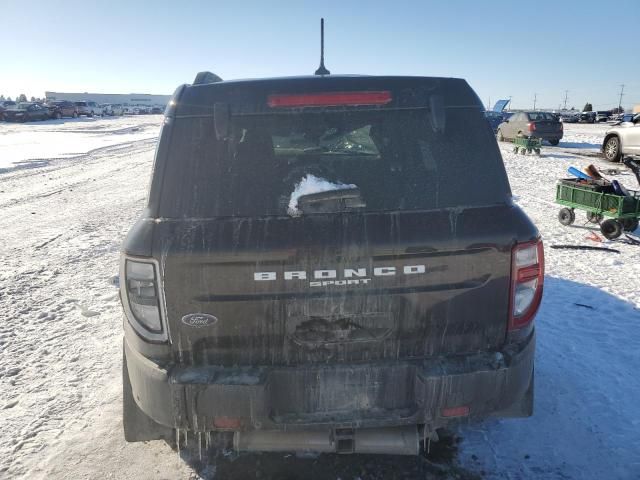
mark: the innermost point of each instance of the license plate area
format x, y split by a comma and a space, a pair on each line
342, 392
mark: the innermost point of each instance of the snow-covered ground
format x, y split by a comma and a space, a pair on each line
586, 423
22, 145
64, 212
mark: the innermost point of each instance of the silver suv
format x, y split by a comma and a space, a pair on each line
622, 140
89, 109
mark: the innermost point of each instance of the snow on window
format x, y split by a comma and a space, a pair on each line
311, 184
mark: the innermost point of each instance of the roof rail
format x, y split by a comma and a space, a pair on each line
206, 77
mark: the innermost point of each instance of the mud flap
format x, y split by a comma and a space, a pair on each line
138, 427
522, 408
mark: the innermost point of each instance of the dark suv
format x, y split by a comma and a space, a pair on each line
6, 105
329, 263
62, 108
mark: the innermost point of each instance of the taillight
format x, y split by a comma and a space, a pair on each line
329, 99
532, 126
527, 278
142, 298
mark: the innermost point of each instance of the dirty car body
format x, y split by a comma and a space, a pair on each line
295, 317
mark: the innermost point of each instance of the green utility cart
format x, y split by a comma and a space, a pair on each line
526, 145
598, 199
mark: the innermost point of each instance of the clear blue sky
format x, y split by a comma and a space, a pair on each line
503, 48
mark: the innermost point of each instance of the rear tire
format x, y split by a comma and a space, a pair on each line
611, 229
555, 143
566, 216
611, 149
630, 224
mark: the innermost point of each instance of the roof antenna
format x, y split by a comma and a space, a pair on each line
321, 69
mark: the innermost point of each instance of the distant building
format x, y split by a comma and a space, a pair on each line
123, 98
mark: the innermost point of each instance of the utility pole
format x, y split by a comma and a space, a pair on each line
566, 93
620, 101
535, 97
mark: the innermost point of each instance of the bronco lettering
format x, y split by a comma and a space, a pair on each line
333, 274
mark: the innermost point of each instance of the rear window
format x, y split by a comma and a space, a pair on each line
538, 116
81, 104
394, 159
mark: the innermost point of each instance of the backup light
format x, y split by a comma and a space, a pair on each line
329, 99
527, 277
142, 299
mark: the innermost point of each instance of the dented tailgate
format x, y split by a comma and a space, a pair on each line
285, 292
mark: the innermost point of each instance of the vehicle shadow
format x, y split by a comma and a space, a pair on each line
577, 145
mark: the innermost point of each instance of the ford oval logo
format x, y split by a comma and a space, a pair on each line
199, 320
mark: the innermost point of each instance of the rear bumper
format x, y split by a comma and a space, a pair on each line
354, 396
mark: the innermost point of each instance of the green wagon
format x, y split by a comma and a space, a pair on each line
614, 213
526, 145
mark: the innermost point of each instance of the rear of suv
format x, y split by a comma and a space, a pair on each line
328, 263
89, 108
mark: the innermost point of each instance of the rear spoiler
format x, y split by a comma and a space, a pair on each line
204, 78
